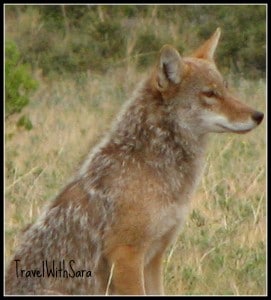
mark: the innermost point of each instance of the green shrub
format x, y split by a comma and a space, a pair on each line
147, 47
18, 80
25, 122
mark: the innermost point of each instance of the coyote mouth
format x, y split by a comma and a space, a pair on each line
241, 131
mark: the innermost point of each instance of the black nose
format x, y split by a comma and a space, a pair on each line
257, 116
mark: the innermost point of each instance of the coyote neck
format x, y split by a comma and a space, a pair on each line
148, 132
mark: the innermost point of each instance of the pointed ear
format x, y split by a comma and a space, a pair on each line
207, 50
170, 67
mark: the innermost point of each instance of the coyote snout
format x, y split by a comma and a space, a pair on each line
230, 116
126, 206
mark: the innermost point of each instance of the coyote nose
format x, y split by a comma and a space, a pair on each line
257, 116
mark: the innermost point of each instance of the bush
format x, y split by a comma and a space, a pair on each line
147, 47
18, 80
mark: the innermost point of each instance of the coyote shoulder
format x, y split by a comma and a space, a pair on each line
116, 218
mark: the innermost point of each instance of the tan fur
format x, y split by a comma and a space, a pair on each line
126, 205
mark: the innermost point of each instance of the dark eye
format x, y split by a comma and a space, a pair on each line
209, 94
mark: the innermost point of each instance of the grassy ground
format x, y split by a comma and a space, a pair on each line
222, 249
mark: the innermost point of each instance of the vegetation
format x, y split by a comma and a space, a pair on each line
87, 60
76, 38
18, 80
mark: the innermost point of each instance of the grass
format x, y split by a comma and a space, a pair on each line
222, 248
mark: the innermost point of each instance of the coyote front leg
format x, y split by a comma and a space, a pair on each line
128, 272
153, 275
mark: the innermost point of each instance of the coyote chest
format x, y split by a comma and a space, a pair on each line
167, 229
170, 207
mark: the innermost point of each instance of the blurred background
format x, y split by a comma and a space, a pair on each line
64, 40
69, 68
68, 39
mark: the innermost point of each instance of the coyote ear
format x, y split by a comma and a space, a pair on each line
207, 50
169, 68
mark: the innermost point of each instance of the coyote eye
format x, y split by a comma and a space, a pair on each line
209, 94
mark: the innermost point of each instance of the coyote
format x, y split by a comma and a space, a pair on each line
109, 228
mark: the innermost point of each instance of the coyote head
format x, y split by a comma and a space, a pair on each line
197, 93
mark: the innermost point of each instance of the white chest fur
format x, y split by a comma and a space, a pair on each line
171, 219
